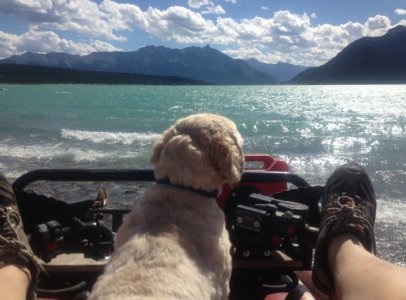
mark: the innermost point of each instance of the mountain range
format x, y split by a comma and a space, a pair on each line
367, 60
364, 61
202, 64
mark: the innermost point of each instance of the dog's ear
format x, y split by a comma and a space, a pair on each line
160, 143
226, 155
181, 149
157, 150
177, 147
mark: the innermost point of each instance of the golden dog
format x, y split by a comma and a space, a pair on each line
174, 244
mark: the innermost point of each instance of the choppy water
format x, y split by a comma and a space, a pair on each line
313, 128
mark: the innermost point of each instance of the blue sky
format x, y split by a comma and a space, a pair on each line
305, 32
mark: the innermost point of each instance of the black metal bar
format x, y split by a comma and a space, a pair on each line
82, 175
138, 175
273, 177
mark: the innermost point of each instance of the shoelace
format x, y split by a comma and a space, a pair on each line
10, 225
351, 213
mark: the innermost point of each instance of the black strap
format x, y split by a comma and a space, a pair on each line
166, 180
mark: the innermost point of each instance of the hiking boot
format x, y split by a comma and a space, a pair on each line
14, 246
348, 206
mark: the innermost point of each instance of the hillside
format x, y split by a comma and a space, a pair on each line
10, 73
367, 60
280, 71
202, 64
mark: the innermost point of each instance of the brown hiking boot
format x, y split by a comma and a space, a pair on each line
349, 207
14, 246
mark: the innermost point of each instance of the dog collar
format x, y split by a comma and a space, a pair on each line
200, 192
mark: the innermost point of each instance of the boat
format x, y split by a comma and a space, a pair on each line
272, 217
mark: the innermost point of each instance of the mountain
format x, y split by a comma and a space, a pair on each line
10, 73
202, 64
280, 71
367, 60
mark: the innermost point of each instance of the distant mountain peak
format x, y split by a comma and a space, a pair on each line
280, 71
396, 30
367, 60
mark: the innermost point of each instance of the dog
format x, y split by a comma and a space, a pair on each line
174, 244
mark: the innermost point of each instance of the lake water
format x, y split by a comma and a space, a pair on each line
313, 128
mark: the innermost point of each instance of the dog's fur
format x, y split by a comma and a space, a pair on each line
174, 244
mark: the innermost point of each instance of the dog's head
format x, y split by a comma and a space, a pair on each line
202, 151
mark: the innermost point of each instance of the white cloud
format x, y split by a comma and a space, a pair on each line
232, 1
179, 24
377, 25
29, 10
400, 11
291, 38
47, 41
264, 8
123, 16
198, 3
85, 17
215, 10
210, 8
8, 44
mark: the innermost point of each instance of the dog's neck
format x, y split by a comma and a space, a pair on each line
212, 194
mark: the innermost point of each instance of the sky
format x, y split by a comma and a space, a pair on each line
301, 32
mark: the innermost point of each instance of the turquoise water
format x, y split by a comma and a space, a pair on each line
313, 128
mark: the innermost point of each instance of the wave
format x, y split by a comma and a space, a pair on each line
62, 154
104, 137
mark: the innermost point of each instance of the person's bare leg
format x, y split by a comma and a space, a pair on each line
14, 282
358, 274
345, 265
